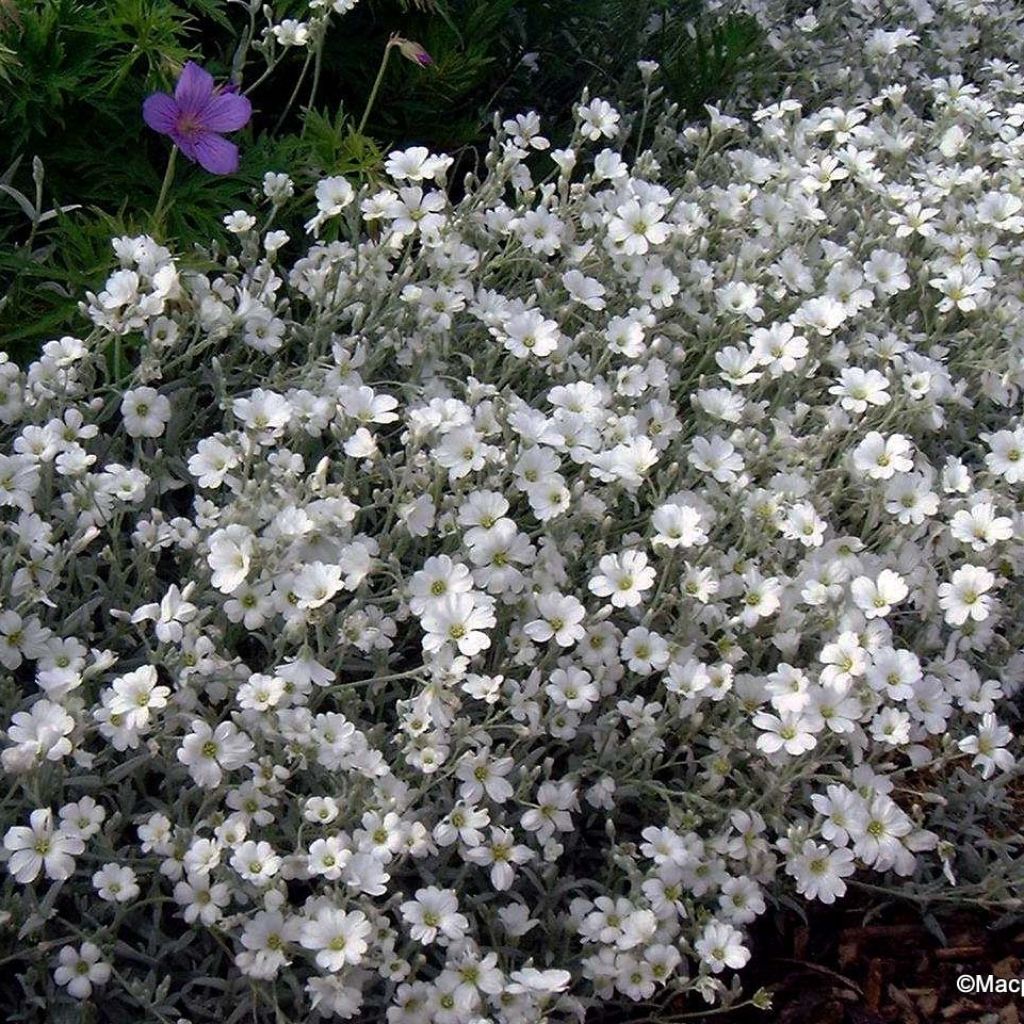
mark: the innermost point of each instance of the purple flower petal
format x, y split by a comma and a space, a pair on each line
225, 112
215, 154
194, 88
187, 145
160, 112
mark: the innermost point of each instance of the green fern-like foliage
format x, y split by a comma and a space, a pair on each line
704, 67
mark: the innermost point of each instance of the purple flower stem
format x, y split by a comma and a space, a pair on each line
165, 187
376, 84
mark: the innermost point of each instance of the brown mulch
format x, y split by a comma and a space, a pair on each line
838, 970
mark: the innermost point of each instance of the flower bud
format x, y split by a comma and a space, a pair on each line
414, 52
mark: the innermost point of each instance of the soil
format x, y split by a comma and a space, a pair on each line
837, 969
852, 965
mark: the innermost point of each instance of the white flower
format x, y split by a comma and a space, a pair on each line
760, 597
439, 576
858, 389
291, 32
528, 333
572, 688
540, 232
20, 638
136, 694
988, 746
416, 164
413, 210
203, 900
321, 810
331, 995
41, 847
212, 462
637, 226
560, 619
623, 578
315, 584
39, 734
721, 945
645, 651
146, 412
328, 857
480, 774
803, 524
789, 731
966, 595
115, 883
686, 435
887, 272
741, 901
230, 557
877, 830
717, 457
171, 615
979, 527
338, 937
585, 290
599, 118
530, 979
256, 862
208, 753
881, 457
875, 597
264, 412
500, 854
261, 692
82, 818
79, 969
266, 937
1006, 454
458, 619
239, 222
678, 526
433, 916
554, 802
515, 919
819, 871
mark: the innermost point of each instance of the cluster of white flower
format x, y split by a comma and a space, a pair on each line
493, 612
297, 32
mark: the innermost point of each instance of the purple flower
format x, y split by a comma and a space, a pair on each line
195, 116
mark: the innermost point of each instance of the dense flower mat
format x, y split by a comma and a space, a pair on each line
498, 607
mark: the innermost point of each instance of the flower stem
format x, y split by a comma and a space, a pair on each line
376, 85
316, 82
165, 187
295, 92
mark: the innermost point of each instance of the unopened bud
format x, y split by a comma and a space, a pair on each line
414, 52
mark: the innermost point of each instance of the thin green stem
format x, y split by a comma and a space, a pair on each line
118, 359
262, 78
165, 187
376, 85
317, 64
295, 92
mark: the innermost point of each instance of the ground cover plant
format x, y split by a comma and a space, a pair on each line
488, 597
